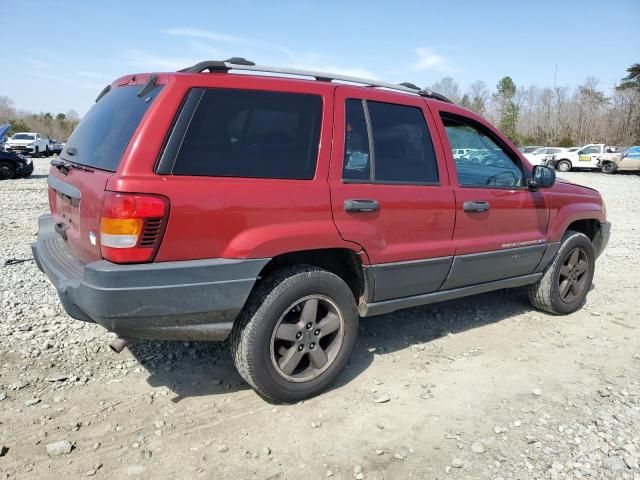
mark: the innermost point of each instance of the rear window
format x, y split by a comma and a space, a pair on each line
105, 131
253, 134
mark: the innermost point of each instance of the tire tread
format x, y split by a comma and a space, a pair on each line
244, 333
540, 293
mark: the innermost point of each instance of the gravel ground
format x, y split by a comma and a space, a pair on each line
485, 387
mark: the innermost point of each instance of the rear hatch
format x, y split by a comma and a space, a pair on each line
77, 180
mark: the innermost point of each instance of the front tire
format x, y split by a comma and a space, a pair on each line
566, 282
609, 168
7, 171
295, 334
27, 172
564, 166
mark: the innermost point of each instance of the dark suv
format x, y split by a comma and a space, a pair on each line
278, 209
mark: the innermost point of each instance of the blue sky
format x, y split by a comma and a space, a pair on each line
89, 43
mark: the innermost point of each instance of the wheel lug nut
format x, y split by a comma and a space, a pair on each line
312, 346
299, 334
317, 332
300, 348
309, 326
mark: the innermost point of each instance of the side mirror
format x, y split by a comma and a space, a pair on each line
542, 177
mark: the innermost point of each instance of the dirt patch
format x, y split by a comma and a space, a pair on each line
484, 387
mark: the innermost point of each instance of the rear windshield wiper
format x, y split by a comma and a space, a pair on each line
64, 166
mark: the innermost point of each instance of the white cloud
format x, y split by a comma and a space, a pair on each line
206, 35
40, 65
428, 59
336, 70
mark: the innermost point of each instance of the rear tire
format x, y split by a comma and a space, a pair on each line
564, 166
609, 168
27, 173
274, 347
7, 170
566, 282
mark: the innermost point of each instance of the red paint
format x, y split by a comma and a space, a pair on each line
252, 218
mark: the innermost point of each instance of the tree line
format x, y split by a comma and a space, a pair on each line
57, 126
559, 116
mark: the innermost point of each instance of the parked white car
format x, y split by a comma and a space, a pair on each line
539, 156
460, 152
28, 143
529, 148
585, 157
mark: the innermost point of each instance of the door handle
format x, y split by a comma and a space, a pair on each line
473, 206
354, 206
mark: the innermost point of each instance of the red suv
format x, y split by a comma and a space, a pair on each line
278, 209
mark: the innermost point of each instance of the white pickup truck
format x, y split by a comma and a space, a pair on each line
585, 157
28, 143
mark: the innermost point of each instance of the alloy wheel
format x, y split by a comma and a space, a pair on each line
573, 275
307, 338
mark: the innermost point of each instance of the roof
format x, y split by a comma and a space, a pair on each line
241, 64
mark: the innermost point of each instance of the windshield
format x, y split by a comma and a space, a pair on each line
23, 136
105, 131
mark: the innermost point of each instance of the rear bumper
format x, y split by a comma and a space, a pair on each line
602, 238
186, 300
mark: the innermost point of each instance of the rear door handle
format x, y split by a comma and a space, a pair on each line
354, 206
475, 206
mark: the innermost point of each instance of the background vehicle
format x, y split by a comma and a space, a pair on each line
628, 160
585, 157
13, 165
28, 143
529, 148
55, 146
539, 156
460, 152
276, 211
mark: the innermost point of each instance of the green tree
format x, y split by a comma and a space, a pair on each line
18, 126
465, 102
632, 80
509, 111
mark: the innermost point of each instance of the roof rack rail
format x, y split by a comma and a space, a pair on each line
239, 63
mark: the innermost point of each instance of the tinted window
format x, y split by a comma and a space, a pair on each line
247, 133
403, 151
356, 143
102, 136
486, 164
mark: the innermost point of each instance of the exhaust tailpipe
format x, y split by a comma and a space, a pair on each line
118, 344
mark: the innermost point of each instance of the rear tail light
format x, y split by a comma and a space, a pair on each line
131, 226
52, 200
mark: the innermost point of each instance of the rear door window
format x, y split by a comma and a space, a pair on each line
102, 136
402, 147
401, 144
253, 134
